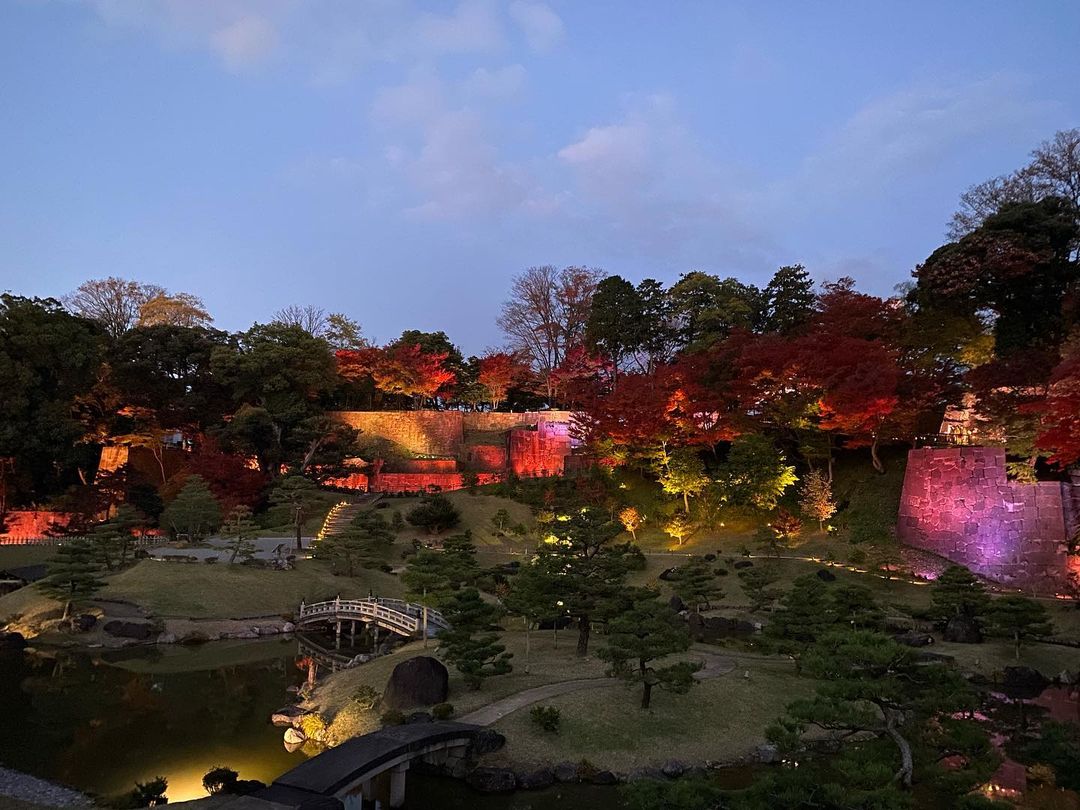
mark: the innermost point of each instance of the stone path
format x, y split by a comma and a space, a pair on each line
16, 785
714, 666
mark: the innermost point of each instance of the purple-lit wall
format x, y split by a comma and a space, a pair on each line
958, 503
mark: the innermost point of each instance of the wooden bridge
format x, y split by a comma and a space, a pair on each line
396, 615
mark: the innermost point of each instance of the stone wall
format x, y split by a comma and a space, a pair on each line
426, 433
32, 525
540, 452
958, 503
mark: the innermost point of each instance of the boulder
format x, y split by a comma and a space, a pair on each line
487, 742
418, 717
194, 637
825, 575
288, 716
84, 622
566, 772
166, 638
1023, 683
603, 778
743, 564
676, 604
767, 754
913, 638
139, 631
492, 780
963, 630
639, 774
668, 574
288, 627
536, 780
673, 769
419, 681
294, 736
12, 641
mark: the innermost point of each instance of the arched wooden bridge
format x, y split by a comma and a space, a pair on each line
396, 615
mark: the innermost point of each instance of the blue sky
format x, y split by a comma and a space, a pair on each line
400, 161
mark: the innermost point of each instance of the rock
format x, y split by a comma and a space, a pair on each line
536, 780
288, 627
566, 772
913, 638
294, 736
668, 574
676, 604
604, 778
418, 717
419, 681
710, 557
487, 742
492, 780
767, 754
166, 638
242, 634
194, 637
825, 575
639, 774
963, 630
140, 631
288, 716
1066, 677
1023, 683
673, 769
743, 564
12, 641
84, 622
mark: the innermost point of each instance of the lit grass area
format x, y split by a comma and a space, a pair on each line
16, 556
720, 719
551, 660
20, 609
199, 591
476, 514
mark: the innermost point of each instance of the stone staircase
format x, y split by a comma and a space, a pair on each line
338, 518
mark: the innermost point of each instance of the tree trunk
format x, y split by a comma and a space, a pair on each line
1016, 639
686, 502
584, 628
874, 456
906, 764
527, 625
646, 694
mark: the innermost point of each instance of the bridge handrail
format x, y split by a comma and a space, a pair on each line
405, 615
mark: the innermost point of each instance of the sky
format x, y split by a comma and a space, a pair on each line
401, 161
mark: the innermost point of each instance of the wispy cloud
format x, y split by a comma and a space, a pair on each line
542, 27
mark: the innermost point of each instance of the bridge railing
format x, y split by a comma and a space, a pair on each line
398, 614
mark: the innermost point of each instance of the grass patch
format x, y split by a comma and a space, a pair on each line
16, 556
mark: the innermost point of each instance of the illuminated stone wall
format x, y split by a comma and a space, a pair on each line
32, 525
958, 503
540, 452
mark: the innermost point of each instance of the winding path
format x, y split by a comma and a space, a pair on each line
714, 666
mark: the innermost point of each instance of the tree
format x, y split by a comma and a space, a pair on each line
240, 531
534, 595
399, 369
498, 372
615, 322
194, 512
959, 598
114, 537
436, 514
546, 315
755, 472
338, 330
855, 606
707, 309
755, 584
297, 494
1059, 411
1018, 618
630, 518
695, 584
645, 633
74, 575
114, 303
806, 612
680, 527
180, 309
816, 498
683, 473
470, 644
789, 299
363, 544
872, 686
432, 576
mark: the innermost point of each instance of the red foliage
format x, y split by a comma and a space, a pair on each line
229, 477
1061, 412
399, 369
499, 372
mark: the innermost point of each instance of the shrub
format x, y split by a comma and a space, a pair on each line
857, 556
546, 717
397, 522
392, 718
436, 514
442, 711
220, 779
365, 698
313, 726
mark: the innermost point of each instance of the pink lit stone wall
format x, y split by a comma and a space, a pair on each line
958, 503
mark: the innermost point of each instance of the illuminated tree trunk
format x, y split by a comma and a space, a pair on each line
584, 629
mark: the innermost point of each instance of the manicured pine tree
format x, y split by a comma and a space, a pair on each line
470, 643
114, 537
296, 493
74, 575
755, 584
1018, 618
194, 512
239, 530
641, 636
694, 582
958, 596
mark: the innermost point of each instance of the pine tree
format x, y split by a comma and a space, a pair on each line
695, 584
239, 530
1018, 618
816, 498
534, 594
363, 544
296, 493
807, 611
114, 536
74, 575
755, 584
643, 634
470, 643
194, 512
958, 599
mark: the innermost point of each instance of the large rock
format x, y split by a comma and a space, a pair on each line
963, 630
140, 631
492, 780
1023, 683
825, 575
604, 778
913, 638
420, 681
12, 641
673, 768
487, 742
566, 772
536, 780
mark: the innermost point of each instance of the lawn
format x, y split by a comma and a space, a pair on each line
16, 556
199, 591
477, 512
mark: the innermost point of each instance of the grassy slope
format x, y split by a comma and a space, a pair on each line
16, 556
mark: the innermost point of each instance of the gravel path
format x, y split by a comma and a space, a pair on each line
18, 785
714, 666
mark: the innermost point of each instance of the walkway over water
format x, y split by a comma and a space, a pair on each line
353, 767
396, 615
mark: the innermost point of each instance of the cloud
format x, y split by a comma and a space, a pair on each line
473, 27
245, 42
499, 83
542, 27
416, 101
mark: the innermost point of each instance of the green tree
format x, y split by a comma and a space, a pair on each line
194, 512
240, 531
789, 299
642, 635
695, 584
616, 317
683, 473
855, 606
816, 498
363, 544
74, 575
115, 536
755, 584
680, 527
534, 595
1018, 618
431, 576
707, 308
436, 514
755, 473
298, 495
958, 597
806, 612
472, 644
500, 520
